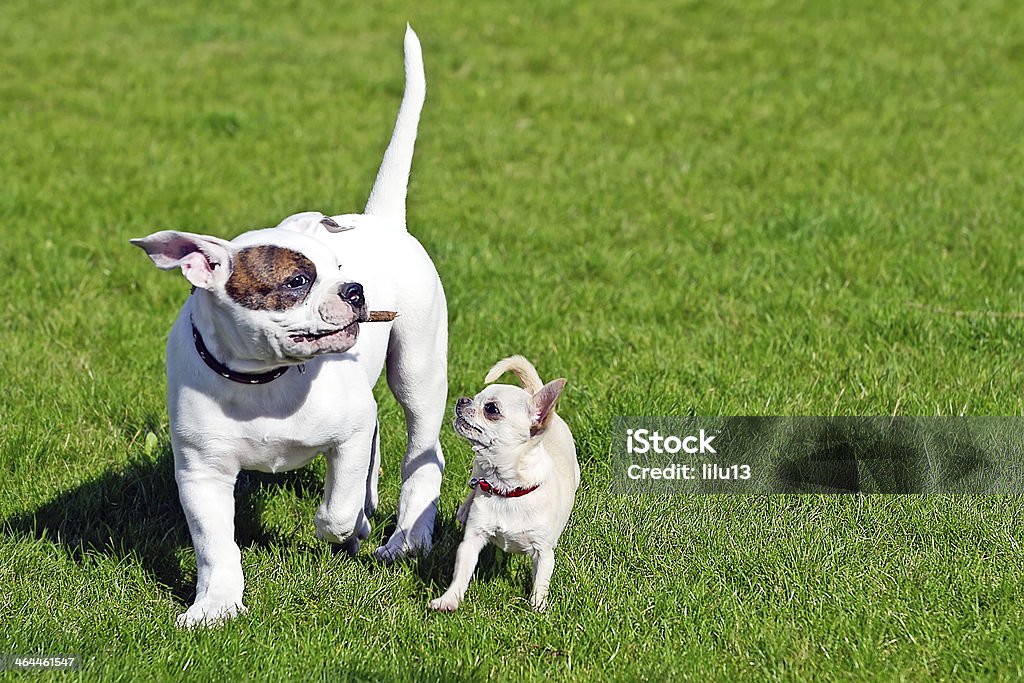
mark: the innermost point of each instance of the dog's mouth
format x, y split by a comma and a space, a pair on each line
317, 336
463, 424
470, 432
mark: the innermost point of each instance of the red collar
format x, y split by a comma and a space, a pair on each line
486, 487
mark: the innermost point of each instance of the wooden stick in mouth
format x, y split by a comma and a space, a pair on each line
381, 316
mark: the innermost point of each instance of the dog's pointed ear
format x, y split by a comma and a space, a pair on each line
543, 404
204, 261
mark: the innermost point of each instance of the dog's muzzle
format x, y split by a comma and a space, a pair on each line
463, 407
349, 305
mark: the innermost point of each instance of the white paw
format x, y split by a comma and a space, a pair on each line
402, 545
539, 602
207, 615
448, 602
334, 531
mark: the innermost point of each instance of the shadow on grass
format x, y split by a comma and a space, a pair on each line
887, 455
134, 512
131, 512
435, 569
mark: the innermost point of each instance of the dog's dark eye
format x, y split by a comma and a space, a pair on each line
297, 282
491, 410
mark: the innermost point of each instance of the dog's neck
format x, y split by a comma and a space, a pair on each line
530, 465
225, 342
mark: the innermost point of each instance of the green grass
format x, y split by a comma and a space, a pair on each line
710, 208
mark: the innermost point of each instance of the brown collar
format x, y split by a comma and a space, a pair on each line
226, 372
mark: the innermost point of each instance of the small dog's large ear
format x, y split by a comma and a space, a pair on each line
204, 261
543, 404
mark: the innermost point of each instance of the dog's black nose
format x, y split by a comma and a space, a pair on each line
463, 403
352, 292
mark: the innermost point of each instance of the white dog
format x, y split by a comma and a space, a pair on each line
267, 366
525, 476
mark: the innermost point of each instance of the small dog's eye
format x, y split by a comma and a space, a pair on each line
491, 410
296, 282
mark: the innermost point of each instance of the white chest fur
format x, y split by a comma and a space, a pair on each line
272, 427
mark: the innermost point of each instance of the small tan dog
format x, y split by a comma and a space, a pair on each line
525, 476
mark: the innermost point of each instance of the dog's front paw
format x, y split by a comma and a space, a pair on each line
208, 615
402, 545
448, 602
539, 602
333, 530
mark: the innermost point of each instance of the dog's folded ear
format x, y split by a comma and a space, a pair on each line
543, 404
309, 222
204, 261
351, 221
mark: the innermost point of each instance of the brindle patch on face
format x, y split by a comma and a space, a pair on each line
269, 278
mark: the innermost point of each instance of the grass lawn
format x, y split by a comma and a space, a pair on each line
704, 208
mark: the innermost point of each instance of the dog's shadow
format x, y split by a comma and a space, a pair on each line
133, 513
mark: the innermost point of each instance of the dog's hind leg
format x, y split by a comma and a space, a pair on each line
417, 373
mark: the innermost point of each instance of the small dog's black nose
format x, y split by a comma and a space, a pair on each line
463, 403
352, 292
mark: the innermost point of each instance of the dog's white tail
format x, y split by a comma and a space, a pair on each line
521, 368
387, 199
